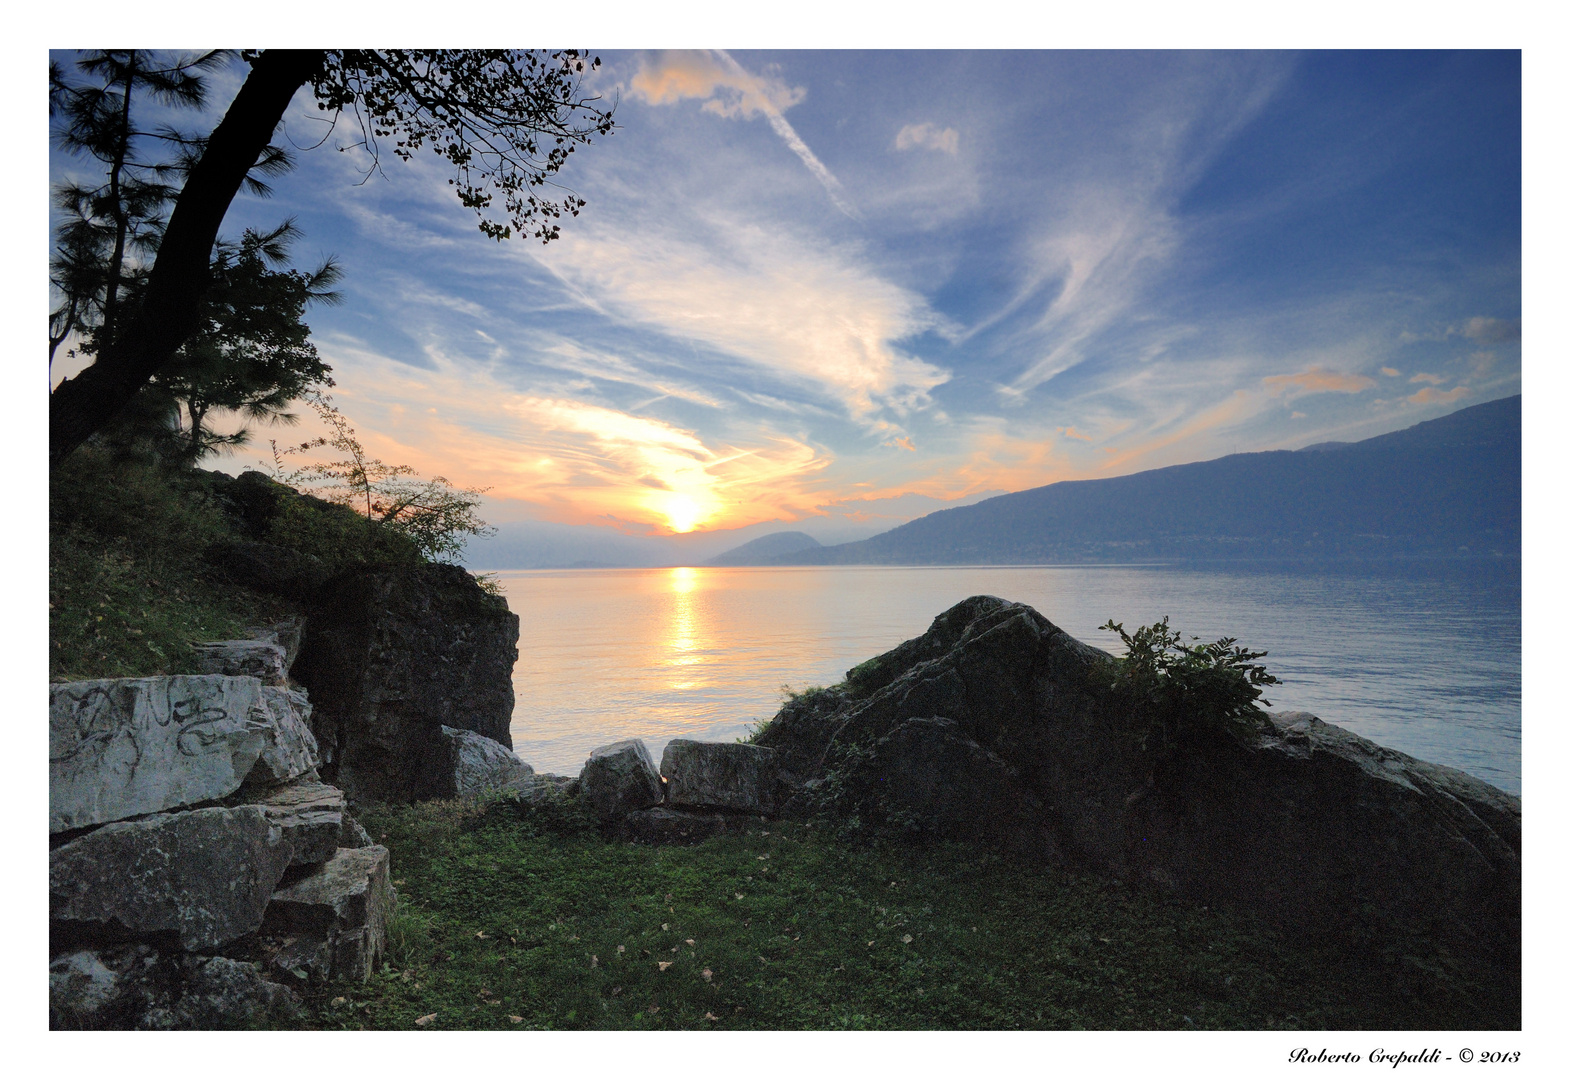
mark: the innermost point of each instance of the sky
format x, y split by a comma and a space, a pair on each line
832, 291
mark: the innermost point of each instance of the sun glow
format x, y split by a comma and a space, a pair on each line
681, 512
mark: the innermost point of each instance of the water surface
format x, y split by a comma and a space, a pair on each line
1425, 659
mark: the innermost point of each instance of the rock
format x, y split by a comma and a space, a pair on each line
353, 834
390, 657
619, 779
662, 825
289, 747
929, 773
311, 815
286, 634
123, 747
1305, 824
263, 660
337, 915
134, 987
201, 878
719, 776
475, 764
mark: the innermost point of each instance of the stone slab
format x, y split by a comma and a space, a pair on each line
311, 815
260, 659
201, 878
719, 776
120, 748
345, 904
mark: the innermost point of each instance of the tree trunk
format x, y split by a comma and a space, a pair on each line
83, 405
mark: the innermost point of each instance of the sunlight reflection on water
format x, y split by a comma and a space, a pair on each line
1426, 660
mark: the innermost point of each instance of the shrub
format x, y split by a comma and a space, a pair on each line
1180, 694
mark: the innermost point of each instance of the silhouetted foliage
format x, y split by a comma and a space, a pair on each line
505, 120
432, 514
251, 353
1179, 692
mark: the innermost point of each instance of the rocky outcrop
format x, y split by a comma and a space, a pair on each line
391, 657
197, 879
136, 987
473, 765
332, 924
1306, 824
719, 776
140, 898
123, 747
619, 779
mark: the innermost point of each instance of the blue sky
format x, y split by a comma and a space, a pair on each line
835, 290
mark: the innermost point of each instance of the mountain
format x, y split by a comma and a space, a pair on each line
1446, 487
761, 551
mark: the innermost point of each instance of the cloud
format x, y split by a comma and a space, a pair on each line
928, 136
1487, 331
1430, 396
1317, 380
726, 90
807, 313
1425, 377
573, 461
729, 90
1390, 372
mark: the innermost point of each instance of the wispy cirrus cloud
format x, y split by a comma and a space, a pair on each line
810, 315
728, 89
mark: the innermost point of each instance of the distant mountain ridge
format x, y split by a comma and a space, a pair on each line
774, 545
1446, 487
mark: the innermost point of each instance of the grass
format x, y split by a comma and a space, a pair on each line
129, 588
510, 925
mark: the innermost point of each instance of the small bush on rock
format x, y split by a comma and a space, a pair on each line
1181, 693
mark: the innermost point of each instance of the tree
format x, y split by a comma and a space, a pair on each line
433, 514
112, 226
505, 120
251, 352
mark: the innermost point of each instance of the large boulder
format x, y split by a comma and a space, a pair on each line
198, 879
123, 747
935, 780
1308, 825
620, 778
719, 776
474, 764
390, 657
135, 987
332, 924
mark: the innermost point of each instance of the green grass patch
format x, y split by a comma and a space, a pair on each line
129, 588
521, 925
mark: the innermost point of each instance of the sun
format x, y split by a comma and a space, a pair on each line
682, 512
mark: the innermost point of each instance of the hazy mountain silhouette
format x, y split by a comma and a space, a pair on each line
764, 548
1447, 487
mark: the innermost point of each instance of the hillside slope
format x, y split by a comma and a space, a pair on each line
1447, 487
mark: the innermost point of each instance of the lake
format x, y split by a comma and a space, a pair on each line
1423, 658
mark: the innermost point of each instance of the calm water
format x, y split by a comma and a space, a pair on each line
1424, 660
